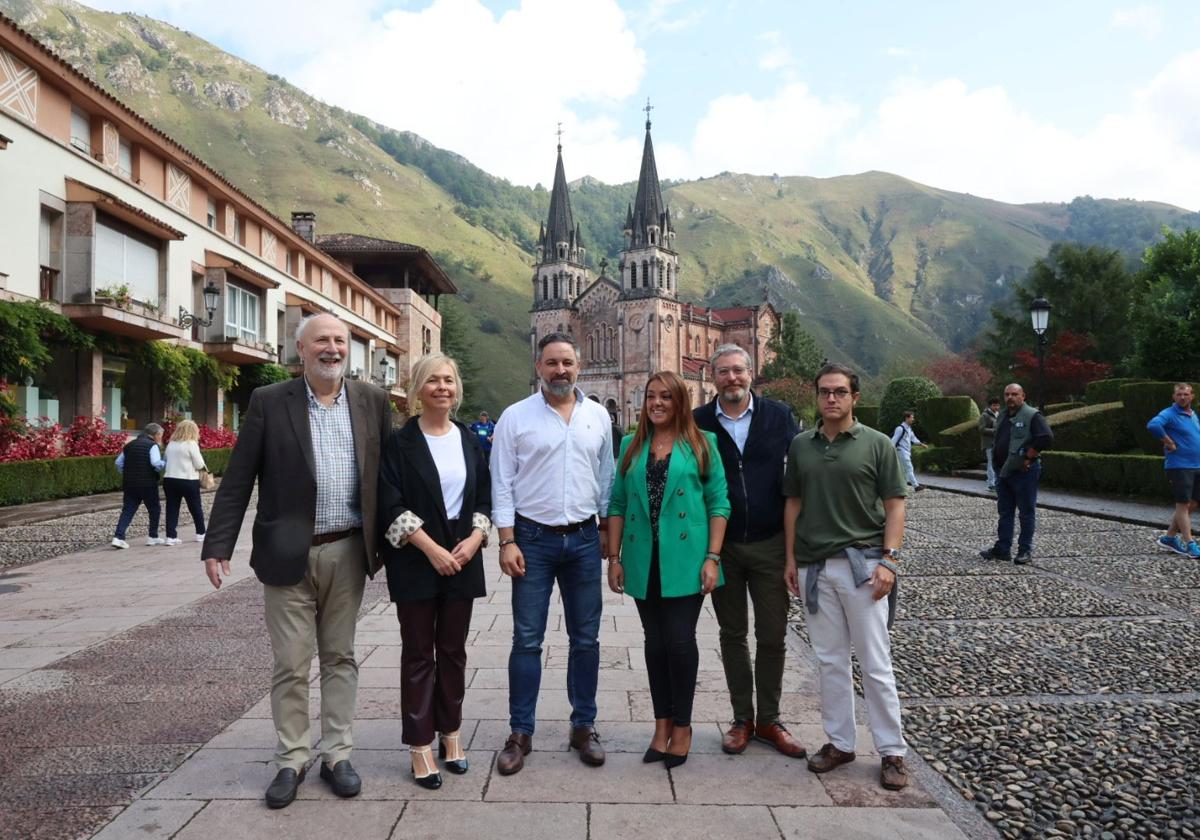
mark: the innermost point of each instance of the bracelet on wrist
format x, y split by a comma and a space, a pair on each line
713, 556
614, 559
509, 541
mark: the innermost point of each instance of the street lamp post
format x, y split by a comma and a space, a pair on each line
1039, 313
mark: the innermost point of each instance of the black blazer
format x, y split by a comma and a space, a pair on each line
274, 448
408, 481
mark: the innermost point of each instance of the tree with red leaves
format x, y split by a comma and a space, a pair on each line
959, 375
1068, 370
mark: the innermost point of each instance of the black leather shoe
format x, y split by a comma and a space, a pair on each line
457, 766
342, 779
282, 791
1023, 558
992, 554
652, 755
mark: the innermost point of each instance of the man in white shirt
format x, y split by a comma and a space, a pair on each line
552, 470
904, 439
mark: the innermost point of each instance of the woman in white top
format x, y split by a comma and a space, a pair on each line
435, 505
181, 480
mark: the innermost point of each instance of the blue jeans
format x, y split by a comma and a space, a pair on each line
1017, 492
574, 561
134, 498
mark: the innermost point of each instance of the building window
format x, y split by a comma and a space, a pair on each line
545, 288
81, 130
125, 158
358, 359
426, 341
645, 274
212, 213
633, 275
127, 257
241, 314
556, 285
50, 252
668, 277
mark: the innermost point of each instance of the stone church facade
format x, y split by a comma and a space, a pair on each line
632, 325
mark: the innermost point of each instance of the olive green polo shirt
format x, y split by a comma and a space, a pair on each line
842, 483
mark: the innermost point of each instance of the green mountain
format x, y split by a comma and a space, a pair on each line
883, 269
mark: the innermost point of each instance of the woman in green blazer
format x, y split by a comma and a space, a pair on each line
666, 523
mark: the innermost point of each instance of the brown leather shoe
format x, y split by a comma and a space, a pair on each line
827, 758
893, 775
735, 740
587, 741
512, 757
777, 736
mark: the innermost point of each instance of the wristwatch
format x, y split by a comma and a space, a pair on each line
892, 554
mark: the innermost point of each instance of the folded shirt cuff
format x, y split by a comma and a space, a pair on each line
403, 527
478, 520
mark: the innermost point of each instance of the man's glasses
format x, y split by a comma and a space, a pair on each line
826, 393
735, 371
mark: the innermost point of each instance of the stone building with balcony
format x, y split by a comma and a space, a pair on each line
135, 239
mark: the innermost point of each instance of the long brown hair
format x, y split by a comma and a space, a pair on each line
685, 425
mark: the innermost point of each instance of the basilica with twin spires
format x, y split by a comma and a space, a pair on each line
633, 324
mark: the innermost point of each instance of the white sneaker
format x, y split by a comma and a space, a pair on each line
155, 541
200, 538
172, 541
117, 542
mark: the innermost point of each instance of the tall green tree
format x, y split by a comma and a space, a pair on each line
456, 343
797, 355
1165, 322
1090, 290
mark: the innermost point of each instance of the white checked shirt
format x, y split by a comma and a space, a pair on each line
739, 428
548, 470
338, 507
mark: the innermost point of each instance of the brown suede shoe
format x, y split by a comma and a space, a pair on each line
827, 758
735, 740
777, 736
587, 741
893, 775
512, 757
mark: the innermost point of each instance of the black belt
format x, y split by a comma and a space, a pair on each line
558, 529
334, 536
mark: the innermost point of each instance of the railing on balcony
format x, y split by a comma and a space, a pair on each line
47, 283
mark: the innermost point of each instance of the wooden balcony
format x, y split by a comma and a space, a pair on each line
135, 321
239, 352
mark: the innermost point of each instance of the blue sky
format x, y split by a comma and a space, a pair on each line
1020, 102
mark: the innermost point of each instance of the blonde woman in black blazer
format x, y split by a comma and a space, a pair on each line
435, 505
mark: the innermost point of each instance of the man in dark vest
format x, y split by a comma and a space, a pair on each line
140, 462
753, 434
1021, 434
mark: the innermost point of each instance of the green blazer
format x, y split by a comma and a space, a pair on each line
688, 503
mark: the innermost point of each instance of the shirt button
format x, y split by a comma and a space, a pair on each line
682, 514
683, 535
679, 492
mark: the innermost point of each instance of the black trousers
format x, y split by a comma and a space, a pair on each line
672, 658
433, 663
183, 490
134, 498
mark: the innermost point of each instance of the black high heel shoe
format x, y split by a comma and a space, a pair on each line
652, 755
671, 760
457, 766
432, 780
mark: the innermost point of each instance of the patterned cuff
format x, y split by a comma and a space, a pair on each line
404, 526
478, 520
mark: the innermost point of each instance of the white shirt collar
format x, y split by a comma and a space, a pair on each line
749, 409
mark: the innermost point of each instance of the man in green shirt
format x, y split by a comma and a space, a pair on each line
843, 523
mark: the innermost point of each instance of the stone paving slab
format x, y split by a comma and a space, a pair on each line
358, 819
865, 823
764, 779
561, 777
640, 822
151, 820
495, 821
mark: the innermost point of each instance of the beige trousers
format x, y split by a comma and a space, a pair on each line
320, 611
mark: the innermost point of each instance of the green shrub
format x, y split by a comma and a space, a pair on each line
964, 440
901, 395
937, 413
868, 415
1126, 475
1094, 428
1058, 408
22, 482
1142, 401
1105, 390
937, 459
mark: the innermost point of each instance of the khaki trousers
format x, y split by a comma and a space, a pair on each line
320, 611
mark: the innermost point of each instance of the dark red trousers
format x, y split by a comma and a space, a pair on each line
433, 663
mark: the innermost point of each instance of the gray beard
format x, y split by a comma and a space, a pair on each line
319, 371
558, 389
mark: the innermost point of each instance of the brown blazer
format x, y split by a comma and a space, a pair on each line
274, 447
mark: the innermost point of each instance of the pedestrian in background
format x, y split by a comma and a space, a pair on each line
484, 429
181, 481
987, 437
140, 464
1178, 427
666, 523
904, 439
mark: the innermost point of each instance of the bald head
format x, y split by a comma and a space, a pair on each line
323, 344
1014, 397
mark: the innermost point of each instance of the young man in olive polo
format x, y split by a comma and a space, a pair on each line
843, 523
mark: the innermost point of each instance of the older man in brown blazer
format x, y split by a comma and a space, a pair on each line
312, 444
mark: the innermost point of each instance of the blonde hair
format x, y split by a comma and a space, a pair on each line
185, 430
422, 370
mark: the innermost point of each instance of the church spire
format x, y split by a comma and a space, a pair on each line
648, 209
560, 226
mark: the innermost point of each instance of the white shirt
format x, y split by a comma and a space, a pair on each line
447, 452
904, 438
184, 460
547, 470
739, 428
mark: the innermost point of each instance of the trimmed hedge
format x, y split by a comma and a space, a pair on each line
1105, 390
901, 395
1142, 401
1058, 408
963, 439
940, 459
1126, 475
22, 482
937, 413
1095, 428
868, 415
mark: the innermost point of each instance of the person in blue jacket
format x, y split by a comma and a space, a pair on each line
1179, 430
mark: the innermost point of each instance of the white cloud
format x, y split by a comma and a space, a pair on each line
666, 16
775, 54
898, 52
1145, 20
